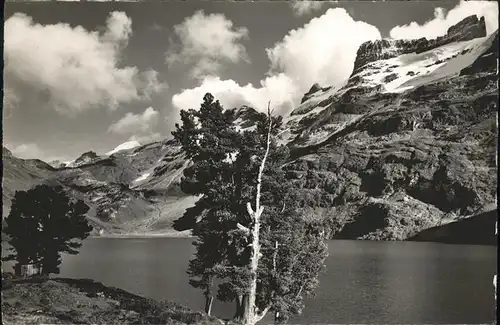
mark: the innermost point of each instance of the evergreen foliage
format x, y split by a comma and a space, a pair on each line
224, 172
43, 223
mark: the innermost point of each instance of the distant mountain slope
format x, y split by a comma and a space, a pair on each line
408, 143
20, 174
132, 189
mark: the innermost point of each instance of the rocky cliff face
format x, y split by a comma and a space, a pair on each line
409, 143
470, 28
85, 158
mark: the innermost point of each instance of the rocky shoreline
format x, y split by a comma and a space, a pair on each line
84, 301
169, 234
454, 232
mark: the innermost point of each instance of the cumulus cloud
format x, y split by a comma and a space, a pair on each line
279, 89
147, 138
305, 7
27, 151
443, 20
206, 42
32, 151
148, 83
74, 68
119, 28
135, 123
322, 51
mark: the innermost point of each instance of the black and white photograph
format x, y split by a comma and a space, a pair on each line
260, 162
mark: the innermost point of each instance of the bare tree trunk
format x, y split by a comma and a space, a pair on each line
277, 318
251, 314
275, 257
246, 314
209, 299
17, 269
238, 315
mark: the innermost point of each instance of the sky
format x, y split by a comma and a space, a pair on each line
89, 76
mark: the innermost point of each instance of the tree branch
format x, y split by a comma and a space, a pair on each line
275, 257
300, 291
263, 313
263, 163
245, 229
249, 209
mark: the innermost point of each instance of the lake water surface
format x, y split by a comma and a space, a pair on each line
365, 281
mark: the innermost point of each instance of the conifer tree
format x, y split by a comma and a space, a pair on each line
44, 222
266, 259
210, 141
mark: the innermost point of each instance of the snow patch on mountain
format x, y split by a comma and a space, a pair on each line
238, 122
312, 122
464, 56
142, 177
312, 105
411, 70
124, 146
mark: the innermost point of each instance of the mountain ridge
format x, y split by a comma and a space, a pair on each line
405, 145
467, 29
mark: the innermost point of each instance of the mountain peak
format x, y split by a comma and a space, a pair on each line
471, 25
124, 146
467, 29
314, 88
89, 155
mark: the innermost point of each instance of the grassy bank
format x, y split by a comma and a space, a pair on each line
84, 301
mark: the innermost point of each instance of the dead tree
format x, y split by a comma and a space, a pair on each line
252, 314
